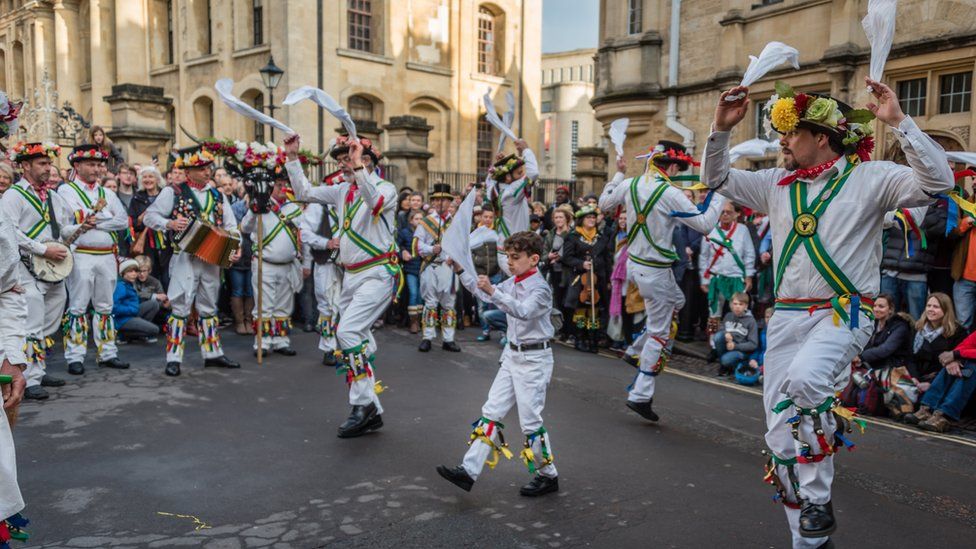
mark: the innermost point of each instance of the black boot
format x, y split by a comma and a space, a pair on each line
456, 476
817, 521
51, 381
582, 343
540, 486
594, 342
220, 362
172, 369
36, 393
829, 544
287, 351
361, 420
424, 346
76, 368
451, 346
114, 363
329, 359
643, 409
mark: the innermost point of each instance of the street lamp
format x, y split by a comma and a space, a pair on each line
271, 74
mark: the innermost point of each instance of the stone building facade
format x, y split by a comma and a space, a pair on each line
567, 119
663, 63
143, 68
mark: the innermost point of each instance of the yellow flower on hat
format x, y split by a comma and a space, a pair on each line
783, 115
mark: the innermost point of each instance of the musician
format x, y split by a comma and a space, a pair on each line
588, 252
281, 273
192, 280
36, 215
514, 176
438, 285
319, 226
366, 205
98, 213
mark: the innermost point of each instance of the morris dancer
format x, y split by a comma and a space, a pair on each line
37, 215
524, 372
826, 211
654, 206
438, 284
92, 281
282, 271
319, 225
514, 176
192, 280
366, 204
727, 263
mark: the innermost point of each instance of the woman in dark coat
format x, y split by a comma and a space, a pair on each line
587, 250
155, 245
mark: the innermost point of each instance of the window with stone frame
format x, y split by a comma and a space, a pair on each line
361, 108
635, 12
955, 92
486, 146
912, 95
170, 44
257, 22
574, 144
488, 58
360, 17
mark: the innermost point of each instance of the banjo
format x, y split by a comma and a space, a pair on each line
52, 270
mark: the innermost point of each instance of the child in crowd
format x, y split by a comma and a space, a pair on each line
524, 374
751, 373
737, 337
133, 320
150, 290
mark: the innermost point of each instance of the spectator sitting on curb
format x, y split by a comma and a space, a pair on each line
738, 336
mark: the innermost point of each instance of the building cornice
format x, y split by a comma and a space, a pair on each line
652, 38
640, 92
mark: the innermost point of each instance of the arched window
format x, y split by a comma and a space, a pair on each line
203, 118
486, 146
490, 32
361, 108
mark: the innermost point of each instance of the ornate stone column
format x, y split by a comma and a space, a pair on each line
131, 48
67, 51
591, 170
406, 141
139, 120
102, 58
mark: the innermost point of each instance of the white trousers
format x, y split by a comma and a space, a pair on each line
328, 290
521, 381
278, 286
438, 286
193, 281
364, 298
92, 281
662, 298
45, 307
808, 361
11, 500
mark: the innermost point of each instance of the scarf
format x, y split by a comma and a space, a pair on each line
618, 280
589, 235
808, 174
927, 333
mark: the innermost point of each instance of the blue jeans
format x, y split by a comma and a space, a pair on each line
413, 290
964, 298
908, 294
950, 394
240, 283
483, 307
728, 359
496, 320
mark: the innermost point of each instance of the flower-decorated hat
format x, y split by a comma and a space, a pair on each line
27, 151
788, 110
188, 158
589, 209
506, 166
341, 146
87, 152
671, 152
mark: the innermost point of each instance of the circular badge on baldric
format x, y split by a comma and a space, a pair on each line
805, 224
641, 219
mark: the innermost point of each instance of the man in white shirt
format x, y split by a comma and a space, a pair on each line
513, 179
320, 224
438, 285
727, 263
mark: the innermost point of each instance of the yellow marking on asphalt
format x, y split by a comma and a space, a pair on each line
200, 525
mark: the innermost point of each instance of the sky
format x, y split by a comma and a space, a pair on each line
570, 24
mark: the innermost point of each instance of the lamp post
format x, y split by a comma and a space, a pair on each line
271, 75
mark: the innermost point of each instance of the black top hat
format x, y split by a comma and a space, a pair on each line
673, 153
441, 190
87, 152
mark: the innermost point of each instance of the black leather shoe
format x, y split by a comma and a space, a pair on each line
329, 359
634, 361
51, 381
540, 486
287, 351
36, 393
643, 409
76, 368
582, 346
114, 363
220, 362
424, 346
451, 346
817, 521
172, 369
456, 476
361, 420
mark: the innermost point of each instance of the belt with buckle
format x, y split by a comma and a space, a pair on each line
541, 346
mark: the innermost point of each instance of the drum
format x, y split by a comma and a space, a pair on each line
208, 243
49, 270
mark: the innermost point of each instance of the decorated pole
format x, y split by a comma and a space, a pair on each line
260, 318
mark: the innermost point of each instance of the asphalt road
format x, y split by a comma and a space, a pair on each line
249, 458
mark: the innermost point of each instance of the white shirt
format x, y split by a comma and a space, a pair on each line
373, 221
725, 265
850, 228
113, 216
158, 213
659, 222
426, 238
527, 303
280, 249
481, 236
310, 222
23, 216
514, 204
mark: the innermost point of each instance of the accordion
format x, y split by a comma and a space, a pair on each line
206, 242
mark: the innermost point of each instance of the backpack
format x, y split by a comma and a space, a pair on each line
865, 393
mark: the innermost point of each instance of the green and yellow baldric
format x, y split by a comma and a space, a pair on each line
285, 224
500, 225
388, 258
41, 208
725, 242
640, 225
88, 204
805, 221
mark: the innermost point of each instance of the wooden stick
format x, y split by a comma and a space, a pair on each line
260, 327
592, 299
